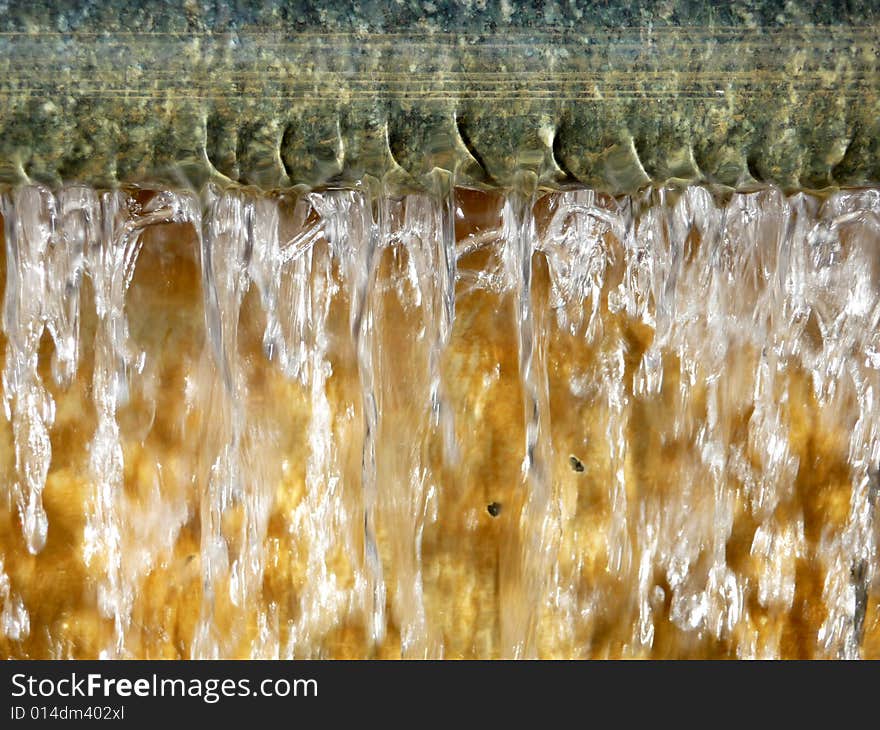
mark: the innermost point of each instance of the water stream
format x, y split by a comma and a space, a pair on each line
449, 424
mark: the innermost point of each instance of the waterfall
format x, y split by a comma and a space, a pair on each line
441, 424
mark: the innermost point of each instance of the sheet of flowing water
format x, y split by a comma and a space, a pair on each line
667, 349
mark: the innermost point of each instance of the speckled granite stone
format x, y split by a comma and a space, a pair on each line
498, 94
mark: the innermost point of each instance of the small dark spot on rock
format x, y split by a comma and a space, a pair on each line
494, 509
576, 464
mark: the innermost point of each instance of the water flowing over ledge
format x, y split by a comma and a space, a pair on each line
610, 96
462, 424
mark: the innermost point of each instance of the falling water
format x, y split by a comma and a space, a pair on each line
445, 424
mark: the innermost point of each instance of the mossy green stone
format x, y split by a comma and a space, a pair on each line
275, 94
